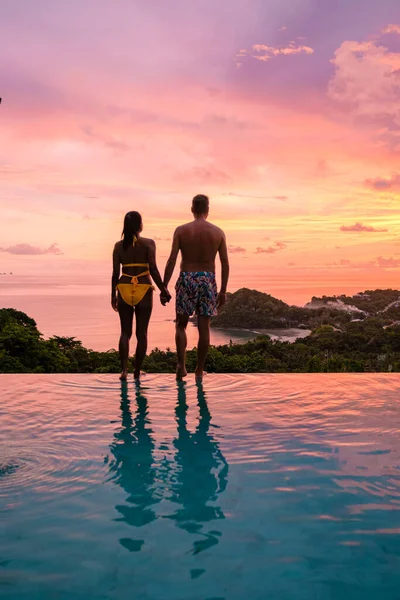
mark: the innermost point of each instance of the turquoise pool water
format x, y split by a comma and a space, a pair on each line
259, 486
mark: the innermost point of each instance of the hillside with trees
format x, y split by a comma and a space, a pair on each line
251, 309
363, 346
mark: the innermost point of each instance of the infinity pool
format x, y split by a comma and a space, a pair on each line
252, 487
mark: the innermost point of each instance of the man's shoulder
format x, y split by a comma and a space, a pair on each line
216, 229
183, 227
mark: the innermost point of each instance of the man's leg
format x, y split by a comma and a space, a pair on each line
203, 345
181, 343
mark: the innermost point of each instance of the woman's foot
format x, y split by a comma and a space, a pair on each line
124, 375
180, 372
136, 375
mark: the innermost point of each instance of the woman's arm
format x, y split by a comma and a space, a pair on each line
154, 272
115, 277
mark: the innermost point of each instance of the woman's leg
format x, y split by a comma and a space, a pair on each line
126, 317
143, 312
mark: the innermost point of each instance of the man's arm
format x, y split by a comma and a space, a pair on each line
171, 262
223, 256
115, 277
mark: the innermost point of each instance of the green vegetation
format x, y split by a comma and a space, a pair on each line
372, 302
360, 346
251, 309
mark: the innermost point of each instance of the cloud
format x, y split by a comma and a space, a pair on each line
366, 84
392, 29
265, 53
277, 247
359, 227
107, 141
236, 249
390, 263
384, 184
248, 196
207, 175
27, 249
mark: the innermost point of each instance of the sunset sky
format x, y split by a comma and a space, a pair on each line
285, 112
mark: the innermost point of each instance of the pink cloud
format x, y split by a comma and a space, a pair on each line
27, 249
236, 249
278, 246
266, 53
366, 85
383, 184
388, 263
392, 29
359, 227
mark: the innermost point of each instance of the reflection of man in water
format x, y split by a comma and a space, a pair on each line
133, 465
201, 473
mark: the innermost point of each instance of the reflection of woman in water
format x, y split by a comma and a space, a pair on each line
201, 472
133, 465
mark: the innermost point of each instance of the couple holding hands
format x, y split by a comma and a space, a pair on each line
196, 290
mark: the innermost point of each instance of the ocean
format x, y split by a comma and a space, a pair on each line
81, 309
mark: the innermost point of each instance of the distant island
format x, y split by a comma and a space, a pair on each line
360, 333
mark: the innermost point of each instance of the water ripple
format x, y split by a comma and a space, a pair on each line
248, 483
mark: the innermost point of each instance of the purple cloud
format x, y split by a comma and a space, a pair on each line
381, 184
236, 249
391, 263
27, 249
360, 228
278, 246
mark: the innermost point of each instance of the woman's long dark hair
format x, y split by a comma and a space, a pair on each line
132, 227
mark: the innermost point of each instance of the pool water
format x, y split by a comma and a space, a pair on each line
250, 487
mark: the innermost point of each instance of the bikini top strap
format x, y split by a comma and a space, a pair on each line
136, 265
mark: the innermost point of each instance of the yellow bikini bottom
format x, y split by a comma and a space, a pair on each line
132, 293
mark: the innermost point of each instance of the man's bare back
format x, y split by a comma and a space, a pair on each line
199, 242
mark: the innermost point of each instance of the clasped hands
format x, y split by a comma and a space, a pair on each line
165, 297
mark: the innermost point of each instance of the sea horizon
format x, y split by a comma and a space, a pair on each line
78, 306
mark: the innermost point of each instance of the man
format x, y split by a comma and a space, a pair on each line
196, 289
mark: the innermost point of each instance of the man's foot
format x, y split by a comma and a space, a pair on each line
180, 372
124, 375
199, 374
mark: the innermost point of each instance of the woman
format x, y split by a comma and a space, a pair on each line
133, 292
